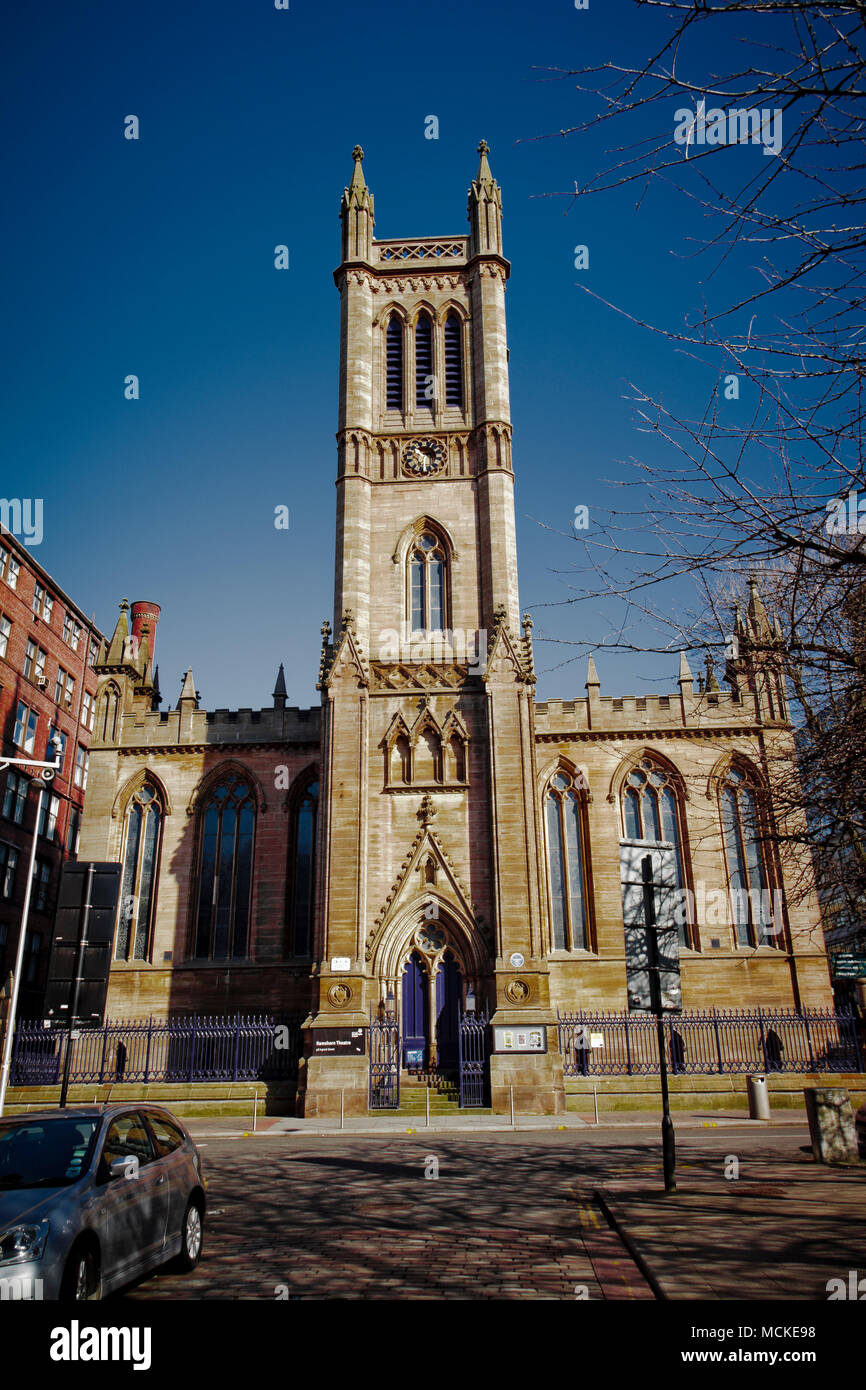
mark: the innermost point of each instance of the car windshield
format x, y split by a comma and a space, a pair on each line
45, 1153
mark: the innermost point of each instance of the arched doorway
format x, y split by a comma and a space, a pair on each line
448, 1000
415, 1014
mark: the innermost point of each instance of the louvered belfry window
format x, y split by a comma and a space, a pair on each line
453, 362
394, 364
424, 391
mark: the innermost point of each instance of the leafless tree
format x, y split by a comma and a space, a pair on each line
781, 494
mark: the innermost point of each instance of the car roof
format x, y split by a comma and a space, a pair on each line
87, 1111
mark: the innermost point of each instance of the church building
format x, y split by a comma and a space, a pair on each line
431, 843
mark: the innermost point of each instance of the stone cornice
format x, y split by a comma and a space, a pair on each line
165, 749
648, 733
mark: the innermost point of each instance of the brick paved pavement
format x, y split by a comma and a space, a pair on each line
357, 1219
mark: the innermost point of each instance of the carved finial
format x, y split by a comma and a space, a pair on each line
124, 605
483, 148
426, 811
357, 153
527, 622
325, 629
348, 619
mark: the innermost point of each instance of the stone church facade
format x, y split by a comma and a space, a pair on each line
431, 835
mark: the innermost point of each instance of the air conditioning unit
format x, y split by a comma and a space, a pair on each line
42, 682
69, 702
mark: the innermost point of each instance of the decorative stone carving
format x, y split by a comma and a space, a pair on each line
518, 991
339, 995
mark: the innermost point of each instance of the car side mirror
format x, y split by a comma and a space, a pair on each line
124, 1167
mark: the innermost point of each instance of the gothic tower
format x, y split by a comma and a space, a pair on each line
428, 863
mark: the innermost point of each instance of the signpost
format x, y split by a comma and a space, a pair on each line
669, 1149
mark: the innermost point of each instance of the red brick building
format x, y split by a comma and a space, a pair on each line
47, 684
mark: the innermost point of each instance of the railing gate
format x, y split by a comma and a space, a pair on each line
474, 1057
384, 1062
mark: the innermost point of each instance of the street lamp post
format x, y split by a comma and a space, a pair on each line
669, 1148
45, 772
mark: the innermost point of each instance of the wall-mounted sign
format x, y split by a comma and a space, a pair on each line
847, 966
596, 1039
341, 963
520, 1039
339, 1042
516, 959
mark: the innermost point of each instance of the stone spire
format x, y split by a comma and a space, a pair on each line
592, 675
485, 210
712, 684
356, 214
117, 646
757, 612
280, 692
685, 676
188, 694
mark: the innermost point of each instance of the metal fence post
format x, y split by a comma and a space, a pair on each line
627, 1044
763, 1040
147, 1054
718, 1040
809, 1039
237, 1045
104, 1046
192, 1048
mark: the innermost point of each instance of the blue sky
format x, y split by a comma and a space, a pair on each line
155, 257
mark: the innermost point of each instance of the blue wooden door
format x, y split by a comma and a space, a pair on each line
416, 1014
447, 1012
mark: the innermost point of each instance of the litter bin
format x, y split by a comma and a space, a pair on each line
759, 1098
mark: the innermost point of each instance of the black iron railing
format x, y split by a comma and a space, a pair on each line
238, 1047
714, 1042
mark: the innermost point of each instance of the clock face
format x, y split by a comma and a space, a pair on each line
424, 457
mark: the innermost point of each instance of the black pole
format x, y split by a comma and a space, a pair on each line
76, 982
669, 1146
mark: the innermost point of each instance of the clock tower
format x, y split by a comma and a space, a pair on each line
428, 888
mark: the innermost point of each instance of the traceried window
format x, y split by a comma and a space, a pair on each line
144, 817
304, 870
394, 363
651, 812
747, 875
564, 818
424, 384
427, 606
453, 361
225, 876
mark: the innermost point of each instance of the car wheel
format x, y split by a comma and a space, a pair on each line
82, 1279
192, 1233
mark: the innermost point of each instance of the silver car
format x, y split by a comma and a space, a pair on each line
92, 1197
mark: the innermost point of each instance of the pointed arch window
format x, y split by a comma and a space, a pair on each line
453, 361
751, 901
394, 363
143, 833
225, 878
424, 385
567, 861
652, 812
427, 578
304, 870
